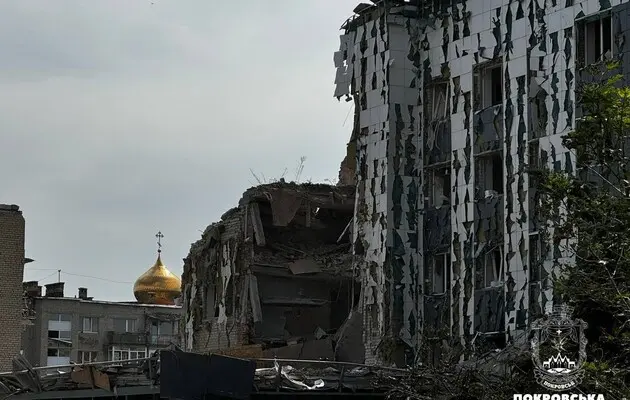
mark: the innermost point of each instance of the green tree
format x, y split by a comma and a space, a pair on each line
592, 203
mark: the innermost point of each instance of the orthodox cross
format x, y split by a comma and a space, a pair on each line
159, 237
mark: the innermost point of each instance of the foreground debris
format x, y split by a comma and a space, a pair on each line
146, 376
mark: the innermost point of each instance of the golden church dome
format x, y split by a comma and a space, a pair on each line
157, 286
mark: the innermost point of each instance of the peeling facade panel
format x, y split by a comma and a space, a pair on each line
454, 102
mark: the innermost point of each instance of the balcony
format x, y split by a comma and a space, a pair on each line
129, 338
163, 340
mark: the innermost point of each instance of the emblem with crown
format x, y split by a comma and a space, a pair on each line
559, 371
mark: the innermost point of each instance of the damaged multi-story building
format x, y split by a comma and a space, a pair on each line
275, 276
454, 102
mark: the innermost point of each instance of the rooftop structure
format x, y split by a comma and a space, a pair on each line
157, 285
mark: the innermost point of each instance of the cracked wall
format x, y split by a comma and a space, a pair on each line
509, 71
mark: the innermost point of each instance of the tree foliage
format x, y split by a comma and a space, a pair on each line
592, 204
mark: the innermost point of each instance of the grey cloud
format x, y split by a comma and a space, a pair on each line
119, 118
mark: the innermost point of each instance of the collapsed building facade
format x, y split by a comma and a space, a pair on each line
454, 103
275, 277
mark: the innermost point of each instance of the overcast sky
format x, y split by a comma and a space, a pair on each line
119, 118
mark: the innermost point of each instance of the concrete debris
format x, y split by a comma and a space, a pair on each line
304, 266
144, 376
273, 272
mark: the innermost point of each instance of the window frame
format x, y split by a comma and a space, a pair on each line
126, 353
587, 58
444, 175
484, 85
86, 356
482, 162
59, 317
59, 335
489, 264
128, 321
433, 94
58, 350
436, 258
92, 324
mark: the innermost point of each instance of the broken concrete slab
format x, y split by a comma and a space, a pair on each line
305, 266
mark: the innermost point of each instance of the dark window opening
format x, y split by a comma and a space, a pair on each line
496, 88
59, 335
440, 273
58, 352
493, 273
439, 187
497, 174
489, 175
596, 38
487, 86
534, 155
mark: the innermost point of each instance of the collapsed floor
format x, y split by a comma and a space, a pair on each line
274, 277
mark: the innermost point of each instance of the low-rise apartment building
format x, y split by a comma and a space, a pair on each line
80, 329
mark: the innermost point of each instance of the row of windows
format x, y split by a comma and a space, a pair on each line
491, 274
59, 326
122, 354
90, 324
116, 354
595, 39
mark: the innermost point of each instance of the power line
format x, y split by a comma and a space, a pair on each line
46, 277
96, 277
79, 275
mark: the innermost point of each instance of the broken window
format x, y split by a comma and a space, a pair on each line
489, 175
487, 86
439, 186
436, 97
493, 268
595, 38
440, 273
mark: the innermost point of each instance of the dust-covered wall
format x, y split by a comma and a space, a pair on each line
509, 72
